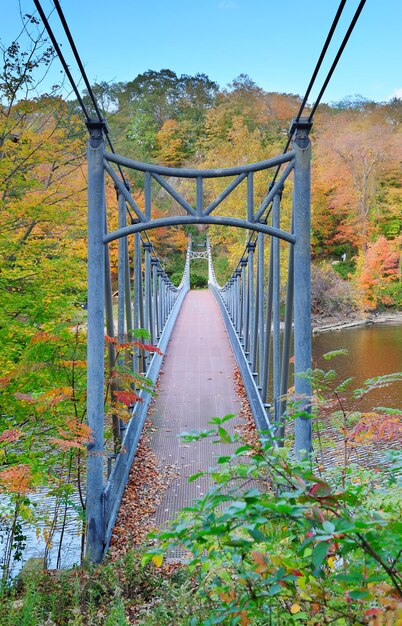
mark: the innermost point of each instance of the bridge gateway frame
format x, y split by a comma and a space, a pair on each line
147, 299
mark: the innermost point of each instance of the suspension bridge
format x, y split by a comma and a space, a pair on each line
249, 302
248, 306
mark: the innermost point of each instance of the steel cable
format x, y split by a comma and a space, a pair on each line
311, 84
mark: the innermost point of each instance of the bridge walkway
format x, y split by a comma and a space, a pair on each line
196, 383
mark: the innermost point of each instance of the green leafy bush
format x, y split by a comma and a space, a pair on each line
198, 281
277, 541
345, 268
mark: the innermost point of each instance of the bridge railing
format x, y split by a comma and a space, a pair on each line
250, 302
156, 303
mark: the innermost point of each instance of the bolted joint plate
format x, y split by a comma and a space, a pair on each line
300, 128
96, 129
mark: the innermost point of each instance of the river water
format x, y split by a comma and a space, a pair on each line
373, 351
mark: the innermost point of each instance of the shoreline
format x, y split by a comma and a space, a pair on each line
327, 324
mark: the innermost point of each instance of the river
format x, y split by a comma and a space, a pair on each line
373, 350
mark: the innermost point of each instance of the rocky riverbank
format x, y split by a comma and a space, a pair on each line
323, 324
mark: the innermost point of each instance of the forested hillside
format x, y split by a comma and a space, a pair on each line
356, 173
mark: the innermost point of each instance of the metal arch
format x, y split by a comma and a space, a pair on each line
200, 212
183, 220
182, 172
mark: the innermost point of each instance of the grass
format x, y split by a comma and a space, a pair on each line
112, 594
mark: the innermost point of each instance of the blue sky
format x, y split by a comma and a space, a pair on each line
276, 43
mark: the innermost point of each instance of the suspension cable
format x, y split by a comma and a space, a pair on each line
88, 86
338, 56
77, 57
311, 84
313, 78
84, 76
61, 57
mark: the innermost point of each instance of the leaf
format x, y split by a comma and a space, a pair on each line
42, 336
295, 608
147, 347
127, 397
16, 479
344, 384
320, 490
65, 444
357, 594
256, 534
320, 551
221, 420
195, 476
140, 333
157, 559
388, 411
24, 397
9, 436
145, 559
224, 435
333, 353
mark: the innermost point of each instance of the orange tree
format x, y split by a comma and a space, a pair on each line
42, 283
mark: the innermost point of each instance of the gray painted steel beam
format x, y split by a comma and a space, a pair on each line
302, 298
95, 355
189, 219
172, 172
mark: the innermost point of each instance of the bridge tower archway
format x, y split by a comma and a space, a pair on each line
153, 302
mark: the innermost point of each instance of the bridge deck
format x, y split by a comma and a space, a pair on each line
196, 383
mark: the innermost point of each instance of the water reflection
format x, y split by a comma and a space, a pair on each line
373, 351
35, 545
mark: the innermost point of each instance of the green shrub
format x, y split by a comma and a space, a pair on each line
345, 268
198, 281
392, 293
176, 278
274, 542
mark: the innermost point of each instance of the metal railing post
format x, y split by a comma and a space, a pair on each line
111, 348
127, 292
302, 298
160, 306
244, 317
148, 291
238, 301
95, 354
137, 296
251, 303
287, 335
121, 274
268, 326
276, 356
260, 279
156, 330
